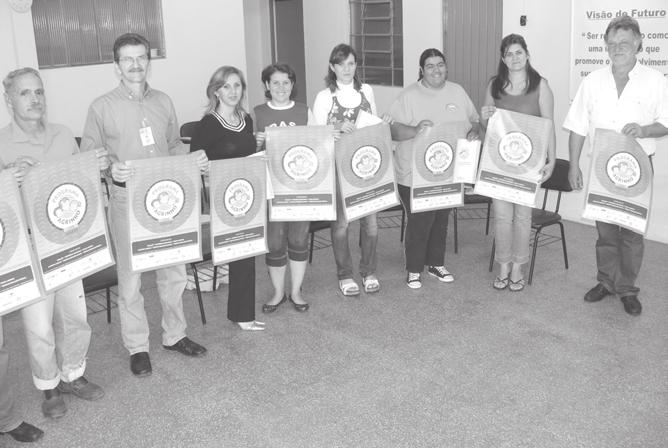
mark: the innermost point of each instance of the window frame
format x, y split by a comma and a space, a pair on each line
74, 33
374, 45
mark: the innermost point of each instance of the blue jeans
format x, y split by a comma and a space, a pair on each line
619, 253
170, 281
512, 231
8, 418
58, 336
369, 241
286, 236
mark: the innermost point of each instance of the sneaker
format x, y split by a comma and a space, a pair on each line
441, 274
413, 280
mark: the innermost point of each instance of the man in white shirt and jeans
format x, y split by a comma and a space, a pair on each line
632, 99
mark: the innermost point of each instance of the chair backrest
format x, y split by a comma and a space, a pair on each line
557, 182
187, 130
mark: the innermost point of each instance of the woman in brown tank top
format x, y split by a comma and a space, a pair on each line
517, 86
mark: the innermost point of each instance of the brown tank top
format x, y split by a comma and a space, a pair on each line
526, 103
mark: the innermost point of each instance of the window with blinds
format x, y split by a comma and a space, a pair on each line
82, 32
376, 36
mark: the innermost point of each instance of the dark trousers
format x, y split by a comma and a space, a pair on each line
241, 295
424, 242
619, 253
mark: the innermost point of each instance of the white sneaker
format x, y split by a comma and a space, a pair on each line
413, 280
253, 325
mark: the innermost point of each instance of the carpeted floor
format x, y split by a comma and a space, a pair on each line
449, 365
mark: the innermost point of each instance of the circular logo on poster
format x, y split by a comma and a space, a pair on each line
438, 157
239, 197
300, 163
66, 207
366, 162
623, 169
164, 200
515, 148
2, 233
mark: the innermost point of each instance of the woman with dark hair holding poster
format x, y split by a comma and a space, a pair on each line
518, 87
431, 100
339, 104
287, 241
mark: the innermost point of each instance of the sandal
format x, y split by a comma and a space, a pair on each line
517, 286
501, 283
371, 284
349, 287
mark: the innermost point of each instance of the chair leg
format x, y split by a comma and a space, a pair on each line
489, 207
108, 305
199, 293
533, 255
491, 256
454, 225
563, 244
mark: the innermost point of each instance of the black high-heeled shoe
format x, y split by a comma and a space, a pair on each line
301, 307
266, 308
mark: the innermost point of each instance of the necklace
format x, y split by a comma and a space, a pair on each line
232, 118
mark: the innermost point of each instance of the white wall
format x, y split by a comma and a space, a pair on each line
258, 47
200, 35
326, 24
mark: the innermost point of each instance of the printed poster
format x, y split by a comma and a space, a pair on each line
619, 190
301, 166
238, 208
466, 160
65, 211
19, 286
365, 170
514, 152
434, 152
164, 212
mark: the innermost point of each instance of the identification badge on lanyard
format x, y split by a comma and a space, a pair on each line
146, 136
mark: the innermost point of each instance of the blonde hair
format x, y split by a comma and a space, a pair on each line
218, 79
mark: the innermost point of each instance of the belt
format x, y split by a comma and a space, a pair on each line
119, 184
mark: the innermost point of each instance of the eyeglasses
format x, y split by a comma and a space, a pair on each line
623, 46
129, 60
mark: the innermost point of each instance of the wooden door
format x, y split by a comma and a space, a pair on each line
287, 22
472, 36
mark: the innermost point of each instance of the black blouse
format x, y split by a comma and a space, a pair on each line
220, 140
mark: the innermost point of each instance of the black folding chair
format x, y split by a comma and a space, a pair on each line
544, 217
